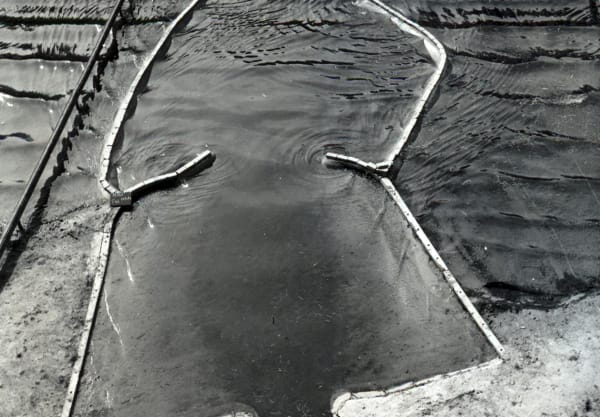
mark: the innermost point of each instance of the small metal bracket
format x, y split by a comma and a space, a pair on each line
121, 199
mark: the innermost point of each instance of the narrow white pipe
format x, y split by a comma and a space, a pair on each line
102, 245
439, 262
438, 55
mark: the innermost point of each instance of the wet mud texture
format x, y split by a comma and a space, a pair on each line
270, 282
43, 305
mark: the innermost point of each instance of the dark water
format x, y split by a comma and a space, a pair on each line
505, 175
272, 281
39, 12
469, 13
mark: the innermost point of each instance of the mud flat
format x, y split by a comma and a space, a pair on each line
41, 307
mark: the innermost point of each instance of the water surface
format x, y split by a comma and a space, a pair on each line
504, 173
272, 282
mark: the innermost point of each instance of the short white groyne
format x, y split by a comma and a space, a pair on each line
199, 163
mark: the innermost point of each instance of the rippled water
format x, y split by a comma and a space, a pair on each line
43, 48
466, 13
274, 279
504, 174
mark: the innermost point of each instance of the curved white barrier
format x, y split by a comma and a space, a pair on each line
438, 55
102, 243
380, 170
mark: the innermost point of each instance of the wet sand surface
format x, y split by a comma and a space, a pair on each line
270, 282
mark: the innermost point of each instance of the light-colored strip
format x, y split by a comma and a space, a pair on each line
411, 385
99, 272
356, 163
141, 188
206, 156
342, 399
435, 256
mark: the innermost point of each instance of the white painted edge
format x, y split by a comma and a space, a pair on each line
437, 259
341, 400
102, 242
107, 188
